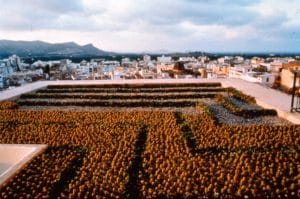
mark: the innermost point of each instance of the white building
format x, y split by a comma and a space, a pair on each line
239, 59
184, 77
147, 74
109, 66
203, 59
221, 60
5, 70
147, 58
238, 71
225, 59
245, 73
164, 59
15, 62
266, 79
118, 75
1, 81
39, 64
187, 59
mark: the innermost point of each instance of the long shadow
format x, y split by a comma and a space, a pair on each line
191, 142
132, 188
187, 132
249, 150
213, 115
68, 174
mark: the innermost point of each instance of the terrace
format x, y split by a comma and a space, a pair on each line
157, 139
279, 101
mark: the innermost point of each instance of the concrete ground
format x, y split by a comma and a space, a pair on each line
265, 97
13, 157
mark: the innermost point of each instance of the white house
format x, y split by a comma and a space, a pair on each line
267, 79
238, 70
245, 73
118, 75
147, 58
164, 59
187, 59
1, 81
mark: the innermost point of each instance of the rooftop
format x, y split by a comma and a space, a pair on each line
265, 97
292, 65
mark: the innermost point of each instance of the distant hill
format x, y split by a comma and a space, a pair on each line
43, 49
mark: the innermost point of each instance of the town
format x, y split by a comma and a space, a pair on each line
274, 72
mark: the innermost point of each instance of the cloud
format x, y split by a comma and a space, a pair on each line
124, 13
142, 25
37, 14
175, 11
54, 6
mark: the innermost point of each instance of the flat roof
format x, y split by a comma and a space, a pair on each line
265, 96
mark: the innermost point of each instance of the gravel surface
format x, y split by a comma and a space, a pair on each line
78, 94
225, 117
186, 110
244, 105
109, 100
221, 113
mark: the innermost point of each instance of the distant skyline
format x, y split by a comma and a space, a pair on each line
152, 26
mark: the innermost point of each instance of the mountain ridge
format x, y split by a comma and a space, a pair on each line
41, 48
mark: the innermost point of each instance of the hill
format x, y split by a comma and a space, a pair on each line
43, 49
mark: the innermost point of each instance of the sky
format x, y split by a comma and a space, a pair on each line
157, 25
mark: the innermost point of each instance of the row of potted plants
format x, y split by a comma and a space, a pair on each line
158, 85
109, 103
8, 105
247, 113
240, 95
132, 90
117, 96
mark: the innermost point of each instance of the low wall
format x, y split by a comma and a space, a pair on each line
13, 157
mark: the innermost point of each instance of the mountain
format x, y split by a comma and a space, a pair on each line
44, 49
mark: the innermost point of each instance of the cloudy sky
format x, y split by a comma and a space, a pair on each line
157, 25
